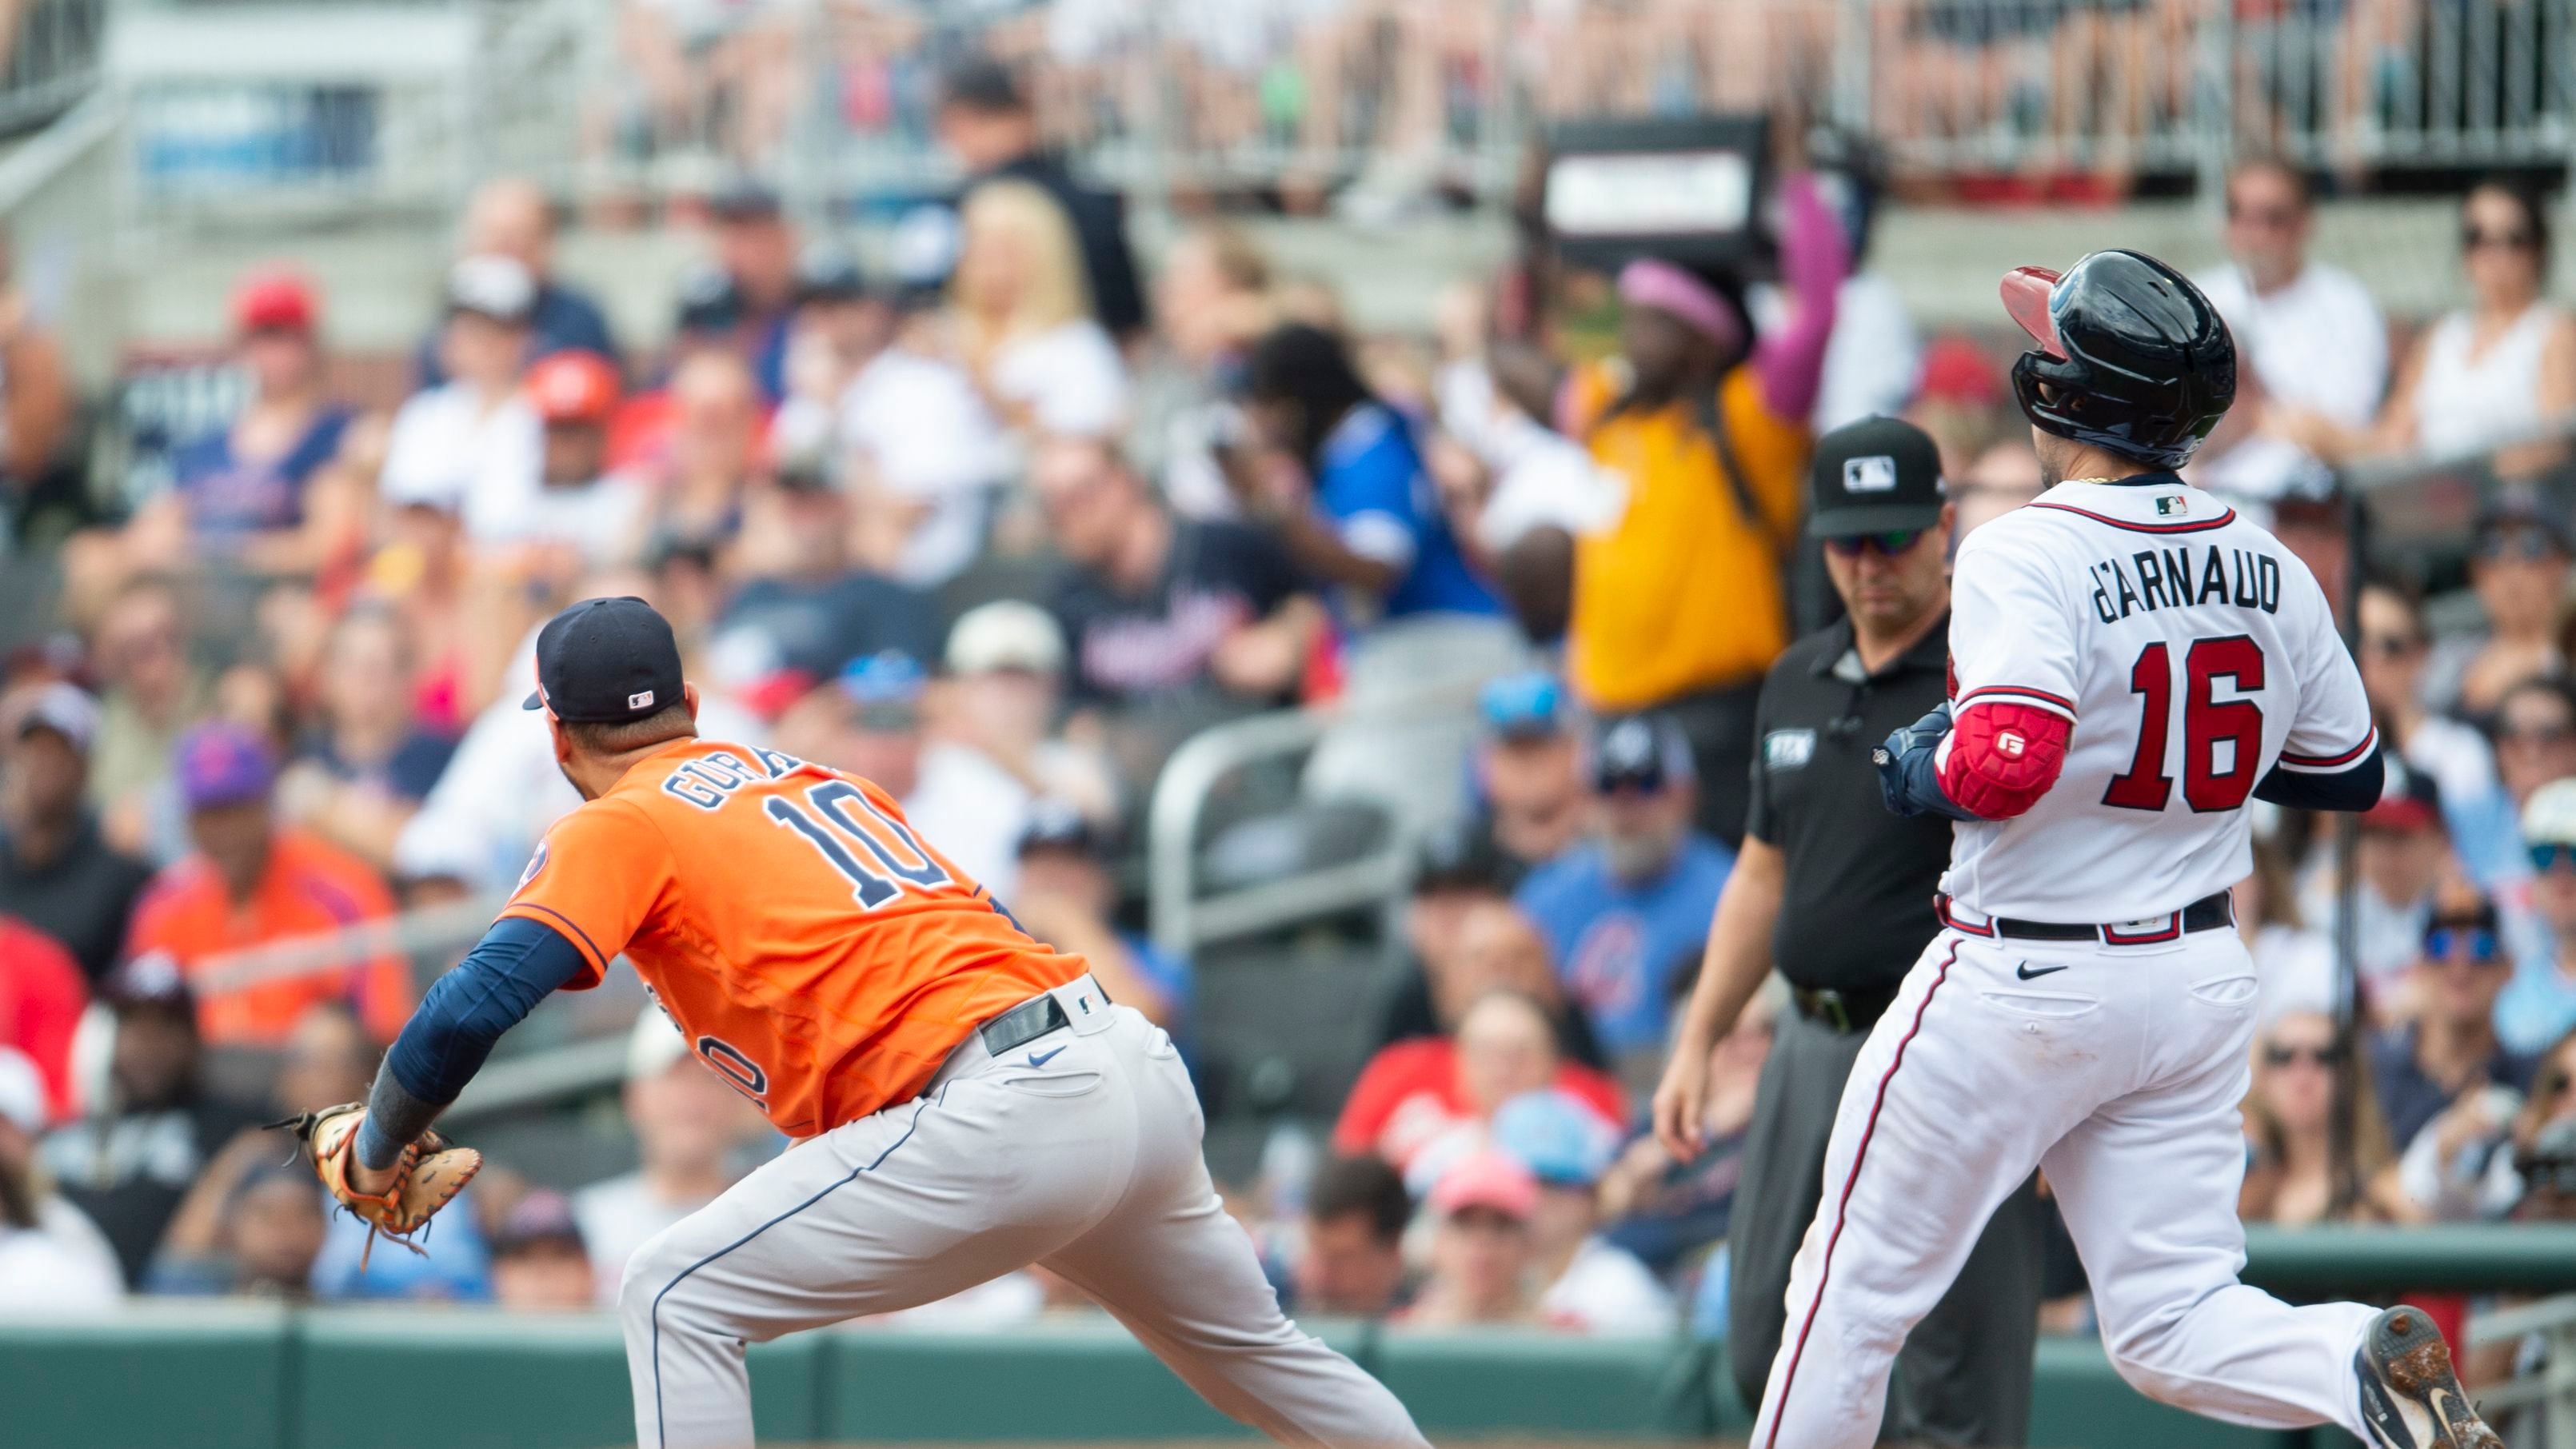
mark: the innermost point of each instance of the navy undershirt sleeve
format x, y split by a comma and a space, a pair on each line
517, 964
2354, 789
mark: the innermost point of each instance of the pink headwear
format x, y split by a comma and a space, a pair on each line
1647, 282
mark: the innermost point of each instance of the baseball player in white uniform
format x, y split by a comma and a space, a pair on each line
2132, 664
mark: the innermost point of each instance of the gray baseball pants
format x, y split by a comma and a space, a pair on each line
1080, 1151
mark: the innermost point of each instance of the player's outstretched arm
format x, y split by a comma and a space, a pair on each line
517, 964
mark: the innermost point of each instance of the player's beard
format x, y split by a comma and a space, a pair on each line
2051, 471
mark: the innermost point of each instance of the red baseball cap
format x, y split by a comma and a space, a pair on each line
274, 299
573, 386
1958, 371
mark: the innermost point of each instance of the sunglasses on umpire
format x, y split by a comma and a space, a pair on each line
2285, 1053
1889, 544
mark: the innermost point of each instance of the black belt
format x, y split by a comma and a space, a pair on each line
1843, 1011
2209, 913
1023, 1024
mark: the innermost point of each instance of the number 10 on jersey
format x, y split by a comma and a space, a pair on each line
2207, 721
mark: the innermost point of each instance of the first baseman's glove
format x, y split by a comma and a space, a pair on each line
428, 1175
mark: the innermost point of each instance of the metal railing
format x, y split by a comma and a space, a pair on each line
1184, 917
836, 102
273, 113
569, 1047
51, 60
2550, 1386
1412, 97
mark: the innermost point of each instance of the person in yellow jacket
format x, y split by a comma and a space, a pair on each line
1681, 604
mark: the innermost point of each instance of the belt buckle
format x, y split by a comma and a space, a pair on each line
1837, 1013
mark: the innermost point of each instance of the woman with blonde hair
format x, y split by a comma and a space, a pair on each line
2291, 1177
1022, 316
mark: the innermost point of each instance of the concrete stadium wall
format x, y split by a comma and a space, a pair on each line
257, 1377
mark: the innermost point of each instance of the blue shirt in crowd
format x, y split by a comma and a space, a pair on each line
1370, 482
1618, 945
230, 498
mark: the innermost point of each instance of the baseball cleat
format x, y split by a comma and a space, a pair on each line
2410, 1396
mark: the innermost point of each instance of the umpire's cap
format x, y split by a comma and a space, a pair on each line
606, 661
1877, 475
2131, 357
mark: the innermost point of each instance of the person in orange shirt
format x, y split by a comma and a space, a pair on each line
253, 882
966, 1100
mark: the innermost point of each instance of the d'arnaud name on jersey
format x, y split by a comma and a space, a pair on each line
2177, 578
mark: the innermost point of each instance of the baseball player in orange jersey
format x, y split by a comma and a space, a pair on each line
965, 1100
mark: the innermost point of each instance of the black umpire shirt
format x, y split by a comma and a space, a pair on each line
1857, 905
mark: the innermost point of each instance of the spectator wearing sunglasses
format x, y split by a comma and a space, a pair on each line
2448, 1049
2293, 1176
2486, 377
2518, 569
2535, 737
2540, 1002
2396, 657
2310, 337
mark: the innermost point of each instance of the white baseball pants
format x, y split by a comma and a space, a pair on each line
1079, 1150
2115, 1069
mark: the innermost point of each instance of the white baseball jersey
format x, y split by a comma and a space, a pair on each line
2192, 652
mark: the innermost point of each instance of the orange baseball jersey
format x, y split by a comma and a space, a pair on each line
310, 886
813, 949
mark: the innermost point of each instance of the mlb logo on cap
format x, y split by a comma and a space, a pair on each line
1875, 474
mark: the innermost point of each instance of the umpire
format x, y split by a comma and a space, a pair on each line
1838, 893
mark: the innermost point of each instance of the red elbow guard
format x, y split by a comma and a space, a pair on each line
2003, 757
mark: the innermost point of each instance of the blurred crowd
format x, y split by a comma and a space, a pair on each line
999, 526
2074, 99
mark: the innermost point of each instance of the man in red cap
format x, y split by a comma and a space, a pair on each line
247, 492
568, 512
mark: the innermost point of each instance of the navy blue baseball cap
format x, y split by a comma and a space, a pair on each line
1639, 752
606, 661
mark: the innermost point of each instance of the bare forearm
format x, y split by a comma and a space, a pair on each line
1317, 549
1738, 957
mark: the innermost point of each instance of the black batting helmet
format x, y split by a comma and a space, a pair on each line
2131, 357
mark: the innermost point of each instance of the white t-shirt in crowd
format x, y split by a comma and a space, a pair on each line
1071, 379
924, 434
2464, 404
616, 1217
1874, 357
61, 1265
502, 788
1540, 476
1605, 1289
446, 450
600, 517
971, 810
2318, 343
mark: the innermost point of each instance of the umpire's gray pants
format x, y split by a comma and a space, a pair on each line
1964, 1377
1079, 1150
